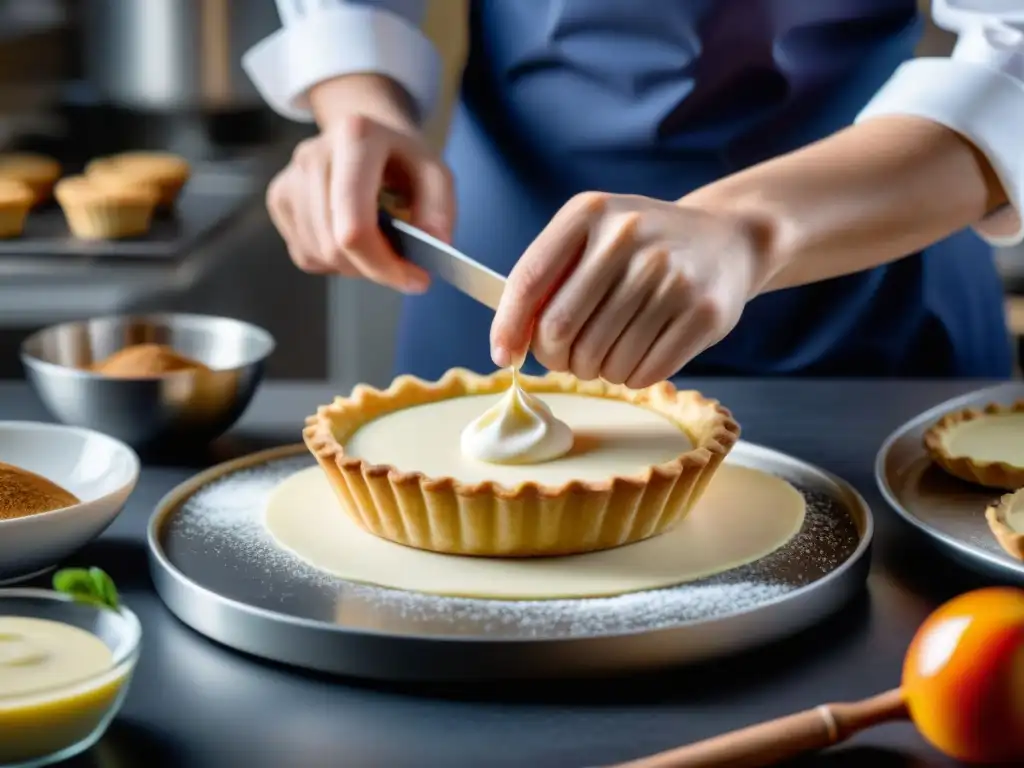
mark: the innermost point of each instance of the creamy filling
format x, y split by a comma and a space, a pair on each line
519, 429
38, 655
610, 438
997, 438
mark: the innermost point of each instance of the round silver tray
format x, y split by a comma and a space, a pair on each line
947, 510
217, 571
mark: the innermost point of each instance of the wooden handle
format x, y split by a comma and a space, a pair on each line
783, 739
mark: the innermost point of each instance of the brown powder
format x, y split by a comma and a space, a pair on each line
145, 361
24, 493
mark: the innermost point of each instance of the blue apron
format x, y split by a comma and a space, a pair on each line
660, 97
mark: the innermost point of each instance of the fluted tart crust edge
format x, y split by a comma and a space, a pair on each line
443, 514
998, 518
991, 474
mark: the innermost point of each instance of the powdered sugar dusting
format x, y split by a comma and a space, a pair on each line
218, 539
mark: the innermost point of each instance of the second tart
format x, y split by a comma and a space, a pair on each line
982, 446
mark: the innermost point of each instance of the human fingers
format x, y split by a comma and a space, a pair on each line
640, 333
361, 149
603, 264
316, 183
282, 208
606, 324
683, 339
304, 244
537, 274
278, 206
433, 202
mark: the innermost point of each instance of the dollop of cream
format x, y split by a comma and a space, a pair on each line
518, 429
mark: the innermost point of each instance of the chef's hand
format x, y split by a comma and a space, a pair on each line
324, 203
627, 288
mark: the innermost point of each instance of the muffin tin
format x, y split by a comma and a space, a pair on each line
227, 174
207, 202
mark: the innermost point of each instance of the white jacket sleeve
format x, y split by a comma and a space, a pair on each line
978, 92
322, 39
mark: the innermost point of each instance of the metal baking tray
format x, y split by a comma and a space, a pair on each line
205, 205
949, 511
217, 571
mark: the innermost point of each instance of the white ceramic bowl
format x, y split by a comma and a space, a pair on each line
98, 469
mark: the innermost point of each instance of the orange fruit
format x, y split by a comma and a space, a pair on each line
963, 677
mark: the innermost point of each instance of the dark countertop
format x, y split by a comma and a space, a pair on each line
197, 704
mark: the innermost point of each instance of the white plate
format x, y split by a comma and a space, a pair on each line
98, 469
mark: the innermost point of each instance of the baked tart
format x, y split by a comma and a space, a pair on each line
508, 465
983, 446
1006, 520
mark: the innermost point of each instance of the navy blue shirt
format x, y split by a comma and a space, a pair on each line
659, 98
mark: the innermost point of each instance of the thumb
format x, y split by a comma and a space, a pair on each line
510, 349
534, 279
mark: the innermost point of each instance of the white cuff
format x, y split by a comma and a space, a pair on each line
979, 93
959, 15
341, 41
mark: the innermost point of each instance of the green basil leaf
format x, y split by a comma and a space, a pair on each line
92, 586
105, 588
75, 582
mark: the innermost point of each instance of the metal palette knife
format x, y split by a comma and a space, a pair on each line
436, 257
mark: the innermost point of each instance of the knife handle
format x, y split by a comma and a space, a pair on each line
394, 204
385, 220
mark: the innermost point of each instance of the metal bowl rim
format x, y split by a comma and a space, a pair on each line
157, 318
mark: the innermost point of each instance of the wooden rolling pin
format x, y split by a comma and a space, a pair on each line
783, 739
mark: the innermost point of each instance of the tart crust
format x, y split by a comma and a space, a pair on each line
442, 514
998, 518
992, 474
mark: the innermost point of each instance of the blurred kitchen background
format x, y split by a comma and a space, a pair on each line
83, 78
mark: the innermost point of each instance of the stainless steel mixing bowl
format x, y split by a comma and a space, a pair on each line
149, 413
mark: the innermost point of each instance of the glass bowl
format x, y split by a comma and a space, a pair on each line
49, 726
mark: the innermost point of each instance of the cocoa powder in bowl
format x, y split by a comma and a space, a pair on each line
24, 493
141, 361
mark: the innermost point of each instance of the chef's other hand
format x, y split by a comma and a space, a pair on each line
627, 288
325, 202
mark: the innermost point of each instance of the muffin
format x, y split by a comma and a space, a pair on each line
165, 172
38, 172
96, 212
16, 199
